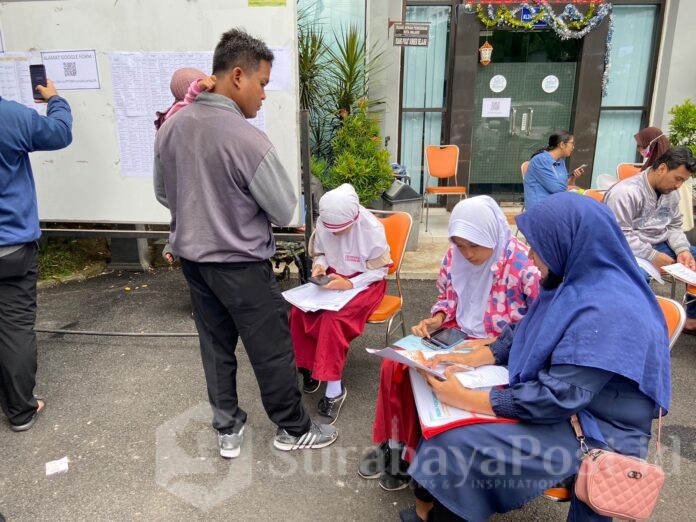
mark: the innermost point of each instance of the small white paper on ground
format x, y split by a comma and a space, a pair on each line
57, 466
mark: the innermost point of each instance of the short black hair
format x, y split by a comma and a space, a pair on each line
675, 158
238, 48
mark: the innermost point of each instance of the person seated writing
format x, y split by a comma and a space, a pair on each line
646, 207
350, 245
486, 282
570, 354
547, 173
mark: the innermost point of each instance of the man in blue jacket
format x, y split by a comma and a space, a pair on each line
23, 130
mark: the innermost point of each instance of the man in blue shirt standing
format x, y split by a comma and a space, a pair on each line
23, 130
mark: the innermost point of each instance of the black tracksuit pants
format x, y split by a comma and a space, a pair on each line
243, 299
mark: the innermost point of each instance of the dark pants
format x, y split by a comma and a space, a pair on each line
665, 249
243, 299
18, 272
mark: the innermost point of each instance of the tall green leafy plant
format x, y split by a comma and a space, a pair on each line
333, 77
359, 158
682, 128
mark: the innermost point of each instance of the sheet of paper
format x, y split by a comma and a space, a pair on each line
431, 411
15, 82
650, 269
410, 342
411, 358
496, 107
310, 298
281, 72
2, 43
57, 466
484, 377
681, 272
72, 70
141, 88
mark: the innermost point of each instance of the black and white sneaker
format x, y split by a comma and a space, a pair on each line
318, 436
330, 408
231, 443
309, 385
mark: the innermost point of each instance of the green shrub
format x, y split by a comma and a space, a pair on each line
359, 158
682, 128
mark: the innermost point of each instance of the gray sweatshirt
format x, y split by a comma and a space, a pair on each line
223, 183
646, 219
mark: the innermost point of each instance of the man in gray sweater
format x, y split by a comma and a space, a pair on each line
647, 210
224, 185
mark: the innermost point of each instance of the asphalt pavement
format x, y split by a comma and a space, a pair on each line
132, 418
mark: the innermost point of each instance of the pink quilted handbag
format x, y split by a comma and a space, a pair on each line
616, 485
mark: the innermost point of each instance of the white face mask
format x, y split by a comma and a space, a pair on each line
646, 152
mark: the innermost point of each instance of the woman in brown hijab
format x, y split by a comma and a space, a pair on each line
653, 143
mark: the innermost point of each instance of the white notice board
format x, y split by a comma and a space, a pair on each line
104, 176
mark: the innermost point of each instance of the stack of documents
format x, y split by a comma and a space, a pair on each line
311, 297
436, 417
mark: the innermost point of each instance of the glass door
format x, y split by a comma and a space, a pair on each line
424, 96
522, 96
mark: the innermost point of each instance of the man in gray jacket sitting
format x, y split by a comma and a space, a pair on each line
224, 185
647, 210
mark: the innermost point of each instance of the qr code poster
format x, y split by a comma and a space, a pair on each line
496, 107
72, 70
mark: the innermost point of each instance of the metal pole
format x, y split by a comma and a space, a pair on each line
305, 157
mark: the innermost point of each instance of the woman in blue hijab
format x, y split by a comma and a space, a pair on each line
593, 343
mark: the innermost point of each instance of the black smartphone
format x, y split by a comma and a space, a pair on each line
38, 77
444, 338
320, 280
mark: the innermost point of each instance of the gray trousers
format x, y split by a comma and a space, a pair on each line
18, 274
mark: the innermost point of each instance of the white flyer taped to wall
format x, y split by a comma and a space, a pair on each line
496, 107
72, 70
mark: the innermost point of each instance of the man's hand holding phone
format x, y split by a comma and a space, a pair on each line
46, 92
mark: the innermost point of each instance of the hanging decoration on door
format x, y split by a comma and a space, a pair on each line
486, 52
570, 23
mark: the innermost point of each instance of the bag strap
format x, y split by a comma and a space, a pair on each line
575, 423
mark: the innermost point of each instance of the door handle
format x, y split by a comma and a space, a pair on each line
531, 118
513, 131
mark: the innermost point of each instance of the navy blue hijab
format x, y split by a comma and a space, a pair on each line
603, 315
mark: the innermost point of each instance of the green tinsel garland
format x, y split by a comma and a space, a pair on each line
505, 16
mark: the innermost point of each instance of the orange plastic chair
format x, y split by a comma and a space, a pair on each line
675, 316
523, 171
441, 161
689, 295
627, 170
523, 168
397, 226
595, 194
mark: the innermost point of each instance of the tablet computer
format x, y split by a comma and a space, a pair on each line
445, 338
